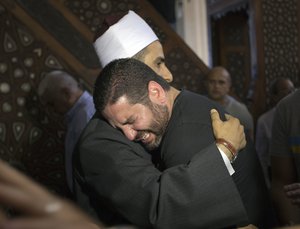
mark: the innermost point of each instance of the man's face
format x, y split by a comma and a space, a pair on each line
56, 105
144, 123
218, 86
284, 88
155, 59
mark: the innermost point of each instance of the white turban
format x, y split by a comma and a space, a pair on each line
124, 39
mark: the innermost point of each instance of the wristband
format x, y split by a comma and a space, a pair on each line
229, 146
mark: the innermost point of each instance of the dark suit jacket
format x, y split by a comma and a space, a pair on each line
190, 130
115, 181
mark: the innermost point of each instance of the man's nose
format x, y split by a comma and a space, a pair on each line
130, 133
168, 75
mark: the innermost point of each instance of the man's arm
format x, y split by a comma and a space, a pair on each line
293, 193
122, 176
283, 173
283, 165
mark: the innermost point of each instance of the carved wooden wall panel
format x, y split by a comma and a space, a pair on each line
281, 40
274, 38
37, 36
277, 38
30, 139
231, 49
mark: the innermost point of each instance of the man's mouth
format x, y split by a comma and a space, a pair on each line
143, 137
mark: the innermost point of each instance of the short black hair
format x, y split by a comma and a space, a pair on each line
128, 77
274, 86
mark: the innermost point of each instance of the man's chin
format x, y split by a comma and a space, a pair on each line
153, 145
150, 147
216, 97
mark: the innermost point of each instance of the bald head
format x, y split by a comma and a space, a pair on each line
59, 91
219, 71
218, 83
280, 87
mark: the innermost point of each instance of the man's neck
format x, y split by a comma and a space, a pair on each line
172, 95
223, 101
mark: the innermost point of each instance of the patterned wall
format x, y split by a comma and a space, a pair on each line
30, 138
274, 42
281, 40
37, 36
231, 47
91, 13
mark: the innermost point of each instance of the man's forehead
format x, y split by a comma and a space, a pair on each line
155, 50
219, 76
217, 80
118, 105
122, 100
118, 113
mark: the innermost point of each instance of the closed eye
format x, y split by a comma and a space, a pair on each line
129, 121
160, 61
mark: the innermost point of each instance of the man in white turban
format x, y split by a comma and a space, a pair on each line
117, 181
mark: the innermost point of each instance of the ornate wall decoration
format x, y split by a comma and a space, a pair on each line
231, 48
92, 12
281, 44
236, 67
188, 75
30, 139
62, 31
163, 38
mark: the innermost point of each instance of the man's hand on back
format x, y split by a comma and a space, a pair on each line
231, 130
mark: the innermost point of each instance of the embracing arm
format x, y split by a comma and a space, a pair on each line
283, 173
230, 130
117, 173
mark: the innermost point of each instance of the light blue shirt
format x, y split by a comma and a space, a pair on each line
76, 120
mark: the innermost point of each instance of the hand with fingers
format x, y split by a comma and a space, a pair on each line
40, 209
229, 133
292, 191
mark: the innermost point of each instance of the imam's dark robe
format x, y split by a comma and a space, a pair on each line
115, 182
190, 130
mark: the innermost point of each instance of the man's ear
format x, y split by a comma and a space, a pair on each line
156, 93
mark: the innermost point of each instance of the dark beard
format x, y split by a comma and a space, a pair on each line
159, 124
